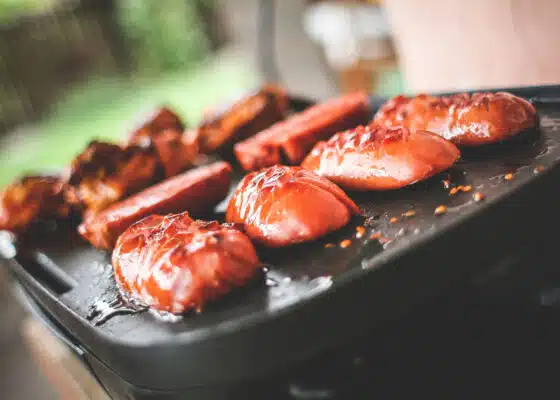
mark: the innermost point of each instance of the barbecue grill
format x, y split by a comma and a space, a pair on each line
429, 304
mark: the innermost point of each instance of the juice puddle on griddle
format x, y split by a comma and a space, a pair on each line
104, 309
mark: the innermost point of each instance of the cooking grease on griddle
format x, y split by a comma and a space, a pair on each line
102, 310
271, 282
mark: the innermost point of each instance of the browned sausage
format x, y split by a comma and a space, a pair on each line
196, 190
282, 205
377, 158
290, 140
466, 120
29, 199
220, 129
175, 264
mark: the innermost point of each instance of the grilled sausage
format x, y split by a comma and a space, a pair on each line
175, 264
196, 190
290, 140
466, 120
283, 205
377, 158
29, 199
220, 129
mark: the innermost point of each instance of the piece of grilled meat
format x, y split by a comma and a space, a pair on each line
164, 133
221, 128
465, 119
378, 158
282, 205
175, 264
30, 199
195, 191
105, 173
289, 141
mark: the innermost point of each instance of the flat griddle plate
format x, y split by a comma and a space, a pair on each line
312, 295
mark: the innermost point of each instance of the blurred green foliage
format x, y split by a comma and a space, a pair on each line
165, 34
10, 10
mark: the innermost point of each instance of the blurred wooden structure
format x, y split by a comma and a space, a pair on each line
41, 54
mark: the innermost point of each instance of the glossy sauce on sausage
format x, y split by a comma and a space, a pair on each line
290, 140
465, 119
196, 190
377, 158
282, 205
175, 264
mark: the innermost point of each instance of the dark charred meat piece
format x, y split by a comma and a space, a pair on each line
29, 199
283, 205
162, 119
175, 264
195, 191
290, 140
175, 149
377, 158
105, 173
222, 128
466, 120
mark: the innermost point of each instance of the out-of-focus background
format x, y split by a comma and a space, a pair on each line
74, 70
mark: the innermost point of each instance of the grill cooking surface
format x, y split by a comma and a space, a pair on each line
76, 277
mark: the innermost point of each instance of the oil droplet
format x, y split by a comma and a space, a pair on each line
270, 282
166, 316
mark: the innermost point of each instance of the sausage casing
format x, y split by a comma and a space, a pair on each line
195, 191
